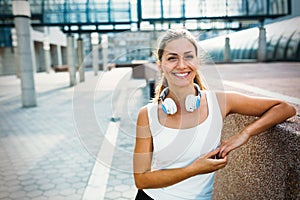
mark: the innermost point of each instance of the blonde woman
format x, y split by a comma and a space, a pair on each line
178, 145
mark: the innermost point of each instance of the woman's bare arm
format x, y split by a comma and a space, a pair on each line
269, 111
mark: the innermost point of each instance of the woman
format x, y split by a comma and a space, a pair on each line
178, 145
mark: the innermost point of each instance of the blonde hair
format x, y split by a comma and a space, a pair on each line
169, 36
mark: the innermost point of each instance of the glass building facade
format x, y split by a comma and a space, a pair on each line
205, 16
283, 43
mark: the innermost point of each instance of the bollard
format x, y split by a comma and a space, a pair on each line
151, 83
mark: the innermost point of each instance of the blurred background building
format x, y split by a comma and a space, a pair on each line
229, 30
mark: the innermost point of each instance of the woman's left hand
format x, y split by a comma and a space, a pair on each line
232, 143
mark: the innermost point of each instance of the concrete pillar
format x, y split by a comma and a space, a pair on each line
227, 50
80, 59
47, 55
21, 12
59, 56
104, 45
95, 50
53, 52
39, 57
33, 53
262, 45
15, 50
17, 64
70, 60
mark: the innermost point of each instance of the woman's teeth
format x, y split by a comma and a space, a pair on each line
181, 74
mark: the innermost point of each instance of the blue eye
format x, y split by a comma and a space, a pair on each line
189, 57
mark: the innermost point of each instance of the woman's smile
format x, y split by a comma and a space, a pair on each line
181, 74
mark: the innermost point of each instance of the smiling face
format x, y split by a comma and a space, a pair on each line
179, 62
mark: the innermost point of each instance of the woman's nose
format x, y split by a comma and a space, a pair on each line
181, 63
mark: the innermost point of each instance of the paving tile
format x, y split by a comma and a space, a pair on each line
33, 194
17, 194
122, 188
51, 193
113, 195
47, 186
67, 192
130, 193
4, 194
30, 187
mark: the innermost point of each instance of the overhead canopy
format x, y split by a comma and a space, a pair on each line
117, 15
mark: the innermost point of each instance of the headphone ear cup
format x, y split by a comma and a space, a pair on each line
169, 107
192, 103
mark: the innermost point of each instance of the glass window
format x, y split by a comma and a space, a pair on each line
151, 9
194, 8
253, 49
257, 7
280, 47
291, 50
234, 7
172, 10
271, 47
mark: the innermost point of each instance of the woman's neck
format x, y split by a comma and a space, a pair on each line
178, 94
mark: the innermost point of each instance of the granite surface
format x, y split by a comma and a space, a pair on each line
267, 167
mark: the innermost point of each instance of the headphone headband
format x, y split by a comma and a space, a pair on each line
165, 92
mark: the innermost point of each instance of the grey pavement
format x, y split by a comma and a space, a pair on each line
54, 150
43, 156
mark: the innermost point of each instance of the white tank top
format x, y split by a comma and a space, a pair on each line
175, 148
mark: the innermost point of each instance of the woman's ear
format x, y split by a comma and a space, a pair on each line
198, 63
159, 65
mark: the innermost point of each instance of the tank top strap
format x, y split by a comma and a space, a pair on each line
153, 117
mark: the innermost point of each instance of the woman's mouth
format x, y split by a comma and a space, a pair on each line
182, 74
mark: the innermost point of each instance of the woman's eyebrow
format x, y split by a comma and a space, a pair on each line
175, 54
171, 53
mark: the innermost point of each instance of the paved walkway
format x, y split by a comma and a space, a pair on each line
49, 151
44, 153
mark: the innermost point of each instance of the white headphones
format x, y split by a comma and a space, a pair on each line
192, 102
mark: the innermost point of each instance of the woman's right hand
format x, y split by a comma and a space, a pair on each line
207, 163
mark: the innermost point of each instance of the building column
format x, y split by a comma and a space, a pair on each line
80, 59
70, 60
59, 56
95, 50
21, 12
47, 55
262, 45
15, 50
227, 50
104, 45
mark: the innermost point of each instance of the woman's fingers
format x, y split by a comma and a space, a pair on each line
232, 143
213, 153
224, 150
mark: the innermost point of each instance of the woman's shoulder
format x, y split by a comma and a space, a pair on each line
143, 115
